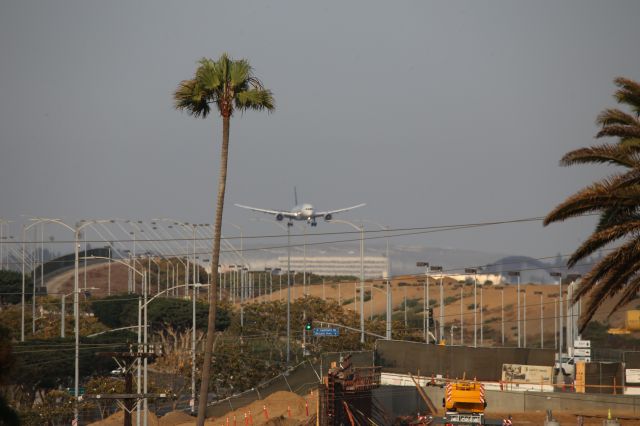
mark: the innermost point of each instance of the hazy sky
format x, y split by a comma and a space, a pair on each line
431, 112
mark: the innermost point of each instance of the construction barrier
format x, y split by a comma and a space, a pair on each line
397, 356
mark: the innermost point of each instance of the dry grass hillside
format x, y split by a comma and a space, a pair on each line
402, 287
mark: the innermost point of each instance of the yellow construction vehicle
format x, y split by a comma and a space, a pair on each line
464, 396
464, 404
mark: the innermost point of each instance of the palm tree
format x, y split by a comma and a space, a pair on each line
616, 199
227, 85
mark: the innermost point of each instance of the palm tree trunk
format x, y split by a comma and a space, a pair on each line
215, 258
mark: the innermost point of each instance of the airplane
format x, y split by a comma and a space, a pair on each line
302, 211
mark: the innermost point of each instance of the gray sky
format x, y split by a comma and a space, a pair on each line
430, 112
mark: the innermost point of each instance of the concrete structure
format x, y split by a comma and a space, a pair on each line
374, 266
404, 399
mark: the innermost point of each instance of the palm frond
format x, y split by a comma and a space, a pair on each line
613, 116
255, 99
629, 93
600, 239
209, 77
599, 292
627, 181
627, 156
611, 269
630, 292
225, 83
634, 142
239, 74
616, 215
620, 131
189, 97
596, 197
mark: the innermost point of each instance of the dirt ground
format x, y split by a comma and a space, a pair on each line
277, 405
565, 419
97, 276
278, 409
491, 303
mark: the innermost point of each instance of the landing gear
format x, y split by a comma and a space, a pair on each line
314, 223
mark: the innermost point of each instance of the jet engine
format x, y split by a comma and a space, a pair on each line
279, 217
328, 217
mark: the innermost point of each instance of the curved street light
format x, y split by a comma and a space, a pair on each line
76, 232
361, 229
387, 278
140, 306
3, 224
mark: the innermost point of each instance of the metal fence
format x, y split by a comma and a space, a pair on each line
300, 380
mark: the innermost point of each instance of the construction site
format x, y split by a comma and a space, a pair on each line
400, 384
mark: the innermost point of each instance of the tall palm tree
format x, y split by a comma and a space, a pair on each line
226, 85
616, 199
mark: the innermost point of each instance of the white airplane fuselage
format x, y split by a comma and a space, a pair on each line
303, 212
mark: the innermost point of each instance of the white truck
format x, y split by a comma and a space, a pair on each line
568, 365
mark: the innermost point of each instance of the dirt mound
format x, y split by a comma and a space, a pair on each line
174, 418
117, 419
281, 421
279, 408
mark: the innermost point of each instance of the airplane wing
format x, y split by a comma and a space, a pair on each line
331, 212
273, 212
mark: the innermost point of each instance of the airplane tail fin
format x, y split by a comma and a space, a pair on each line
295, 196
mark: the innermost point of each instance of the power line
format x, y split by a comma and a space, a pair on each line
347, 232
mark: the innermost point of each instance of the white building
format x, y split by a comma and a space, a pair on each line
374, 266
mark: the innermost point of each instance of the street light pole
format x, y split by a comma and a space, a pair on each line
2, 225
361, 229
501, 311
555, 324
435, 268
517, 274
461, 316
305, 290
481, 318
362, 284
76, 307
76, 315
558, 277
289, 225
425, 300
474, 271
539, 293
109, 273
193, 350
25, 228
524, 317
387, 276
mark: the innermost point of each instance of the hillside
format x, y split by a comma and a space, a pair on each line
402, 287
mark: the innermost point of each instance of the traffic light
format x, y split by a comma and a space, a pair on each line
308, 325
432, 320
